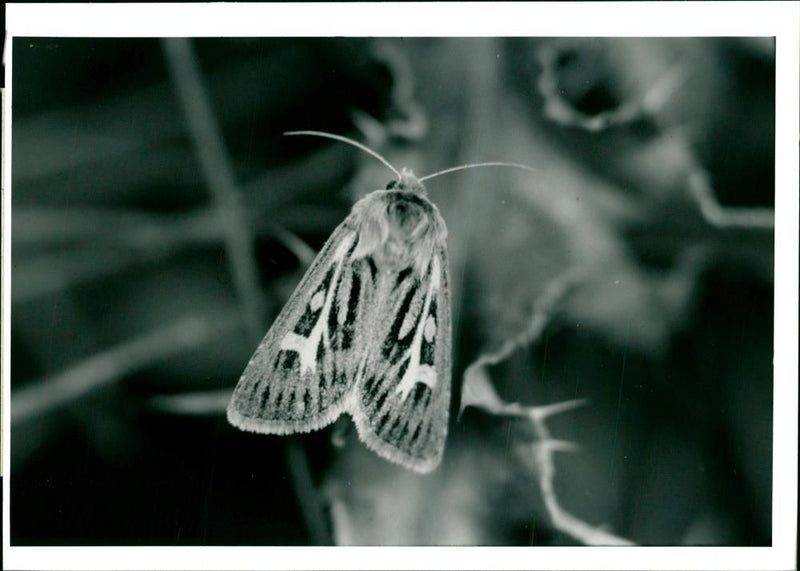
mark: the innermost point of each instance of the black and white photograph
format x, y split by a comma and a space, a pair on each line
438, 290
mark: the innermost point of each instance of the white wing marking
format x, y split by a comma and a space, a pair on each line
417, 372
306, 347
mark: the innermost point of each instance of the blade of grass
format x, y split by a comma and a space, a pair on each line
111, 242
45, 395
215, 163
209, 145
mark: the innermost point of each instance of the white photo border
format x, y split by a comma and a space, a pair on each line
774, 19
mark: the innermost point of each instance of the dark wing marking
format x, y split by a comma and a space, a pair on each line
403, 396
302, 373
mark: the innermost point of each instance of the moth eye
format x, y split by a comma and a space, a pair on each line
317, 300
430, 329
391, 185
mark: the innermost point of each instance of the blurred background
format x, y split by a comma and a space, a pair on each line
160, 220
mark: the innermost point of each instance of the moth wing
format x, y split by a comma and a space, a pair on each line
301, 376
403, 396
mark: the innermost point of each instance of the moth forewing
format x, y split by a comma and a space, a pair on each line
302, 373
403, 396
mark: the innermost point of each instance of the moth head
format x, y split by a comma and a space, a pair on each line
406, 182
399, 227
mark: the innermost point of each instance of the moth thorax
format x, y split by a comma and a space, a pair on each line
399, 229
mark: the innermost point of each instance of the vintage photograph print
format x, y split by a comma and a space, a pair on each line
412, 291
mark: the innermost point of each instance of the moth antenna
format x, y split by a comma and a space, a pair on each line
475, 165
349, 142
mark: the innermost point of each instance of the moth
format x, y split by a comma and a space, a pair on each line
366, 332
